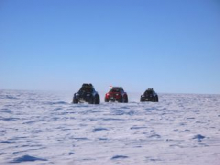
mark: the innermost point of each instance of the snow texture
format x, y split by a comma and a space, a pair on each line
45, 128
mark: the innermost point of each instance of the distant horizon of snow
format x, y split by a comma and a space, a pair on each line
104, 92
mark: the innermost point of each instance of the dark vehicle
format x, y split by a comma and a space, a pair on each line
86, 93
149, 95
116, 94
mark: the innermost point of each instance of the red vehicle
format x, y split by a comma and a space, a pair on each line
116, 94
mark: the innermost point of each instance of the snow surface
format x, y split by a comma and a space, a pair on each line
45, 128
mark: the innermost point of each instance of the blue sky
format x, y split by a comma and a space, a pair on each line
172, 45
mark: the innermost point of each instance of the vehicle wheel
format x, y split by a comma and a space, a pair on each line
106, 100
126, 99
91, 100
75, 101
96, 100
156, 100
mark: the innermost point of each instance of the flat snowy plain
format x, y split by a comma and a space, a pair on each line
45, 128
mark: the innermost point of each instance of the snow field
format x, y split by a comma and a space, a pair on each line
45, 128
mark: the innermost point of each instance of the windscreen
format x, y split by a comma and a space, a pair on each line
115, 90
148, 92
85, 90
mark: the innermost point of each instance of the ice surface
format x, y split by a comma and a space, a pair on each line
45, 128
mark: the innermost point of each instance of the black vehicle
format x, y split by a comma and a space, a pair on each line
149, 95
86, 93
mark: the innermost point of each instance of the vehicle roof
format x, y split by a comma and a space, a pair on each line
85, 85
116, 88
150, 89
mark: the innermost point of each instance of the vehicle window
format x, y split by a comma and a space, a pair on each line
86, 90
148, 92
115, 90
